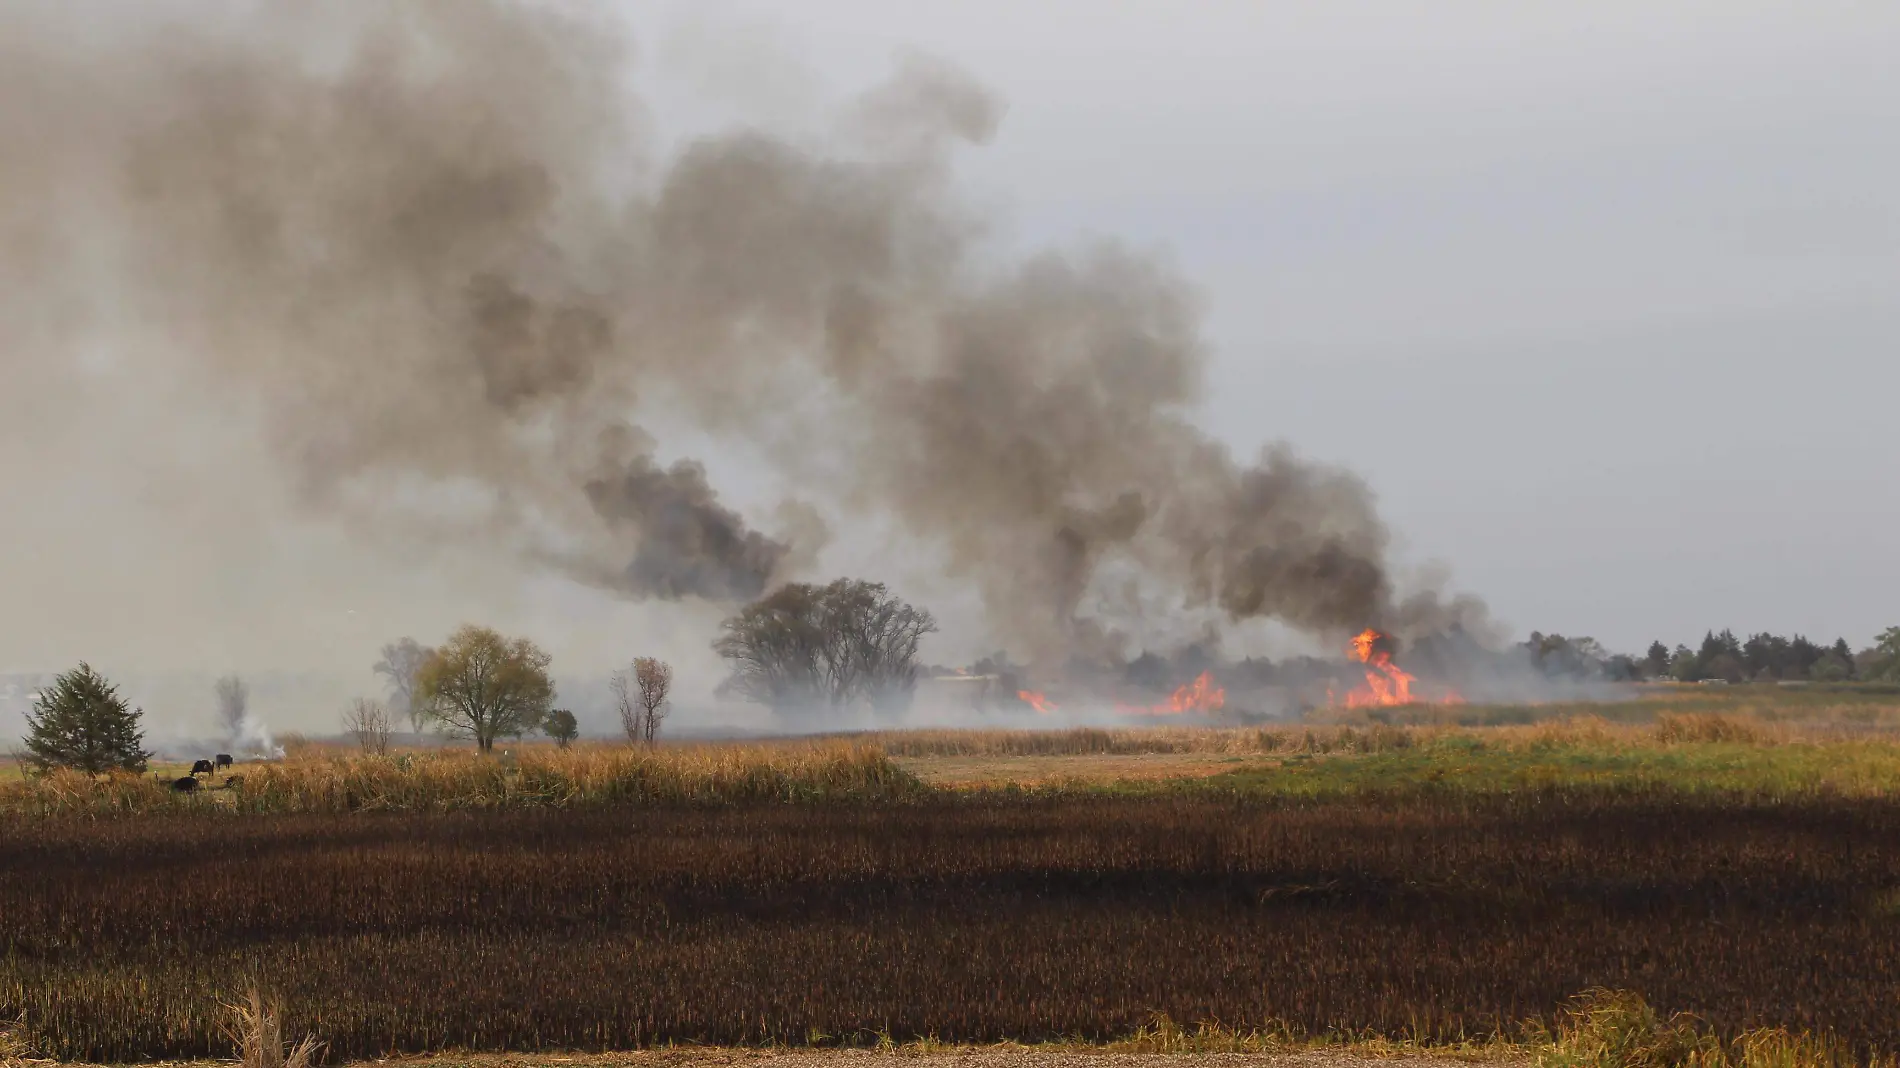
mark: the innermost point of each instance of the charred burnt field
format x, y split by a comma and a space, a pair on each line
974, 918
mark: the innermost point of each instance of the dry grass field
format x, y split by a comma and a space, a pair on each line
1416, 881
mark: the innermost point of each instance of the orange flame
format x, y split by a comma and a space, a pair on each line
1038, 701
1362, 644
1201, 695
1386, 683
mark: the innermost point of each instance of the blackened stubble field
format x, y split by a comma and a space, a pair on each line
968, 919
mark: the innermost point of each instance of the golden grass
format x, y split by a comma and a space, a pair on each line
1697, 752
1691, 736
967, 772
459, 779
1353, 738
1618, 1029
257, 1030
1600, 1029
16, 1047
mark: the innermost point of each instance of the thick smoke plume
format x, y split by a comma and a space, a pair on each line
430, 251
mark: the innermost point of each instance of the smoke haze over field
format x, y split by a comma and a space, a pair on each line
415, 271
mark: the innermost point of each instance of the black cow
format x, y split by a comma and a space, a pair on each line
223, 761
202, 767
185, 785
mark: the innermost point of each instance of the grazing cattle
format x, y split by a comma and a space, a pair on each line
185, 785
223, 761
202, 767
232, 782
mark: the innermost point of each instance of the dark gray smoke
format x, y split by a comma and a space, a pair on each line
688, 545
429, 249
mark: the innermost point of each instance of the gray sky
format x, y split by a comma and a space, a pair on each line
1601, 298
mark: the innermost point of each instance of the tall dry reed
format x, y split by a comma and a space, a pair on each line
459, 780
586, 776
257, 1030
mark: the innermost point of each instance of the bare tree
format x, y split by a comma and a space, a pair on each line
655, 677
873, 637
640, 696
368, 722
402, 661
778, 650
234, 700
627, 703
803, 647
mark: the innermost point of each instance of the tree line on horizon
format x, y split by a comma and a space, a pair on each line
805, 649
800, 649
1722, 656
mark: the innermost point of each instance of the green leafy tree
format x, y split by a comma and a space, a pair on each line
1725, 666
81, 722
1684, 665
561, 726
1831, 668
483, 686
1883, 660
1801, 657
1765, 656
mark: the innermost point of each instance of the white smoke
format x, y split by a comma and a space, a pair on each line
253, 738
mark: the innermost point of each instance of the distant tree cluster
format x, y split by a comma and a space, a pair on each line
1760, 657
479, 685
1557, 657
1722, 656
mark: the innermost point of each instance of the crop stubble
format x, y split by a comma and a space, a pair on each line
972, 919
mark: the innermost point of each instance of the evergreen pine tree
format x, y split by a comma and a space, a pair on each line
1712, 647
1656, 664
1846, 653
81, 722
